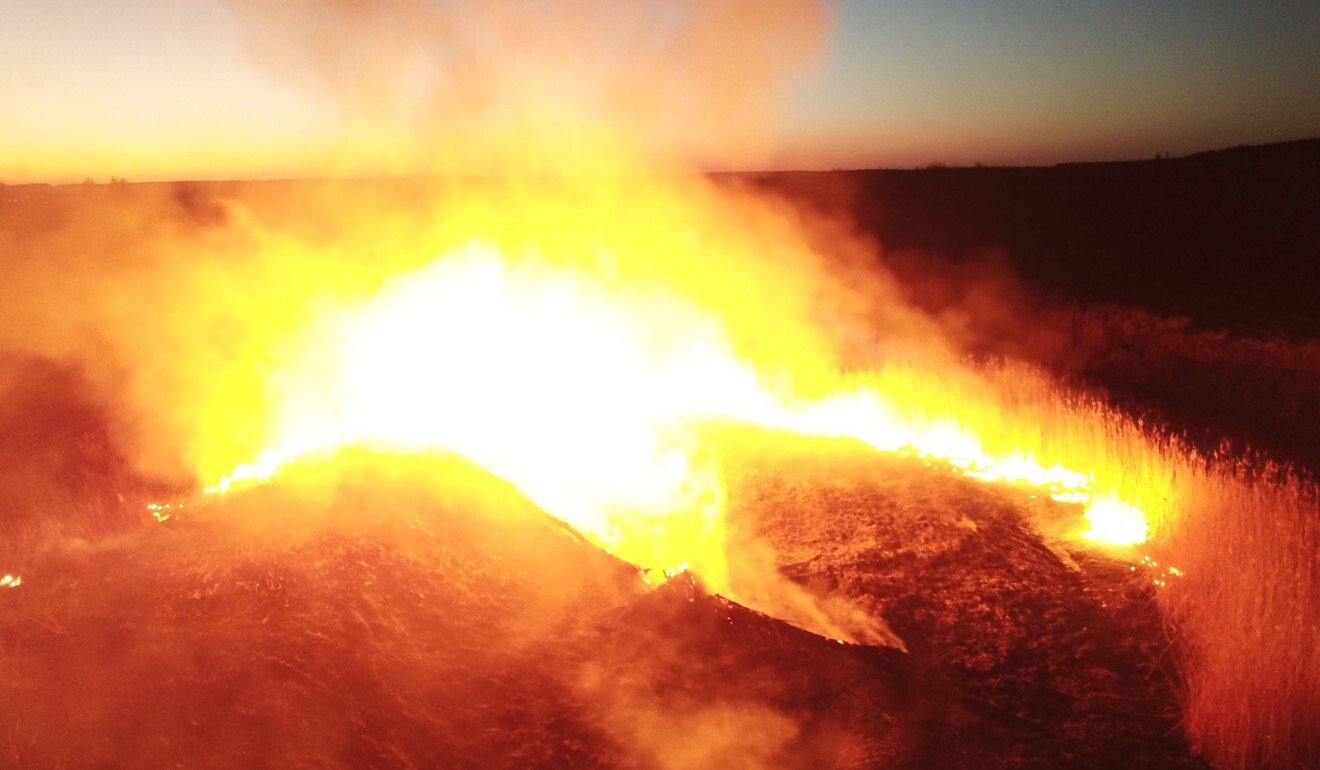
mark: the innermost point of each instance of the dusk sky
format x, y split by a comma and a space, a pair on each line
151, 89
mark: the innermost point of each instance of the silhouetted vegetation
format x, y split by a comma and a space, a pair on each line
1185, 287
1227, 238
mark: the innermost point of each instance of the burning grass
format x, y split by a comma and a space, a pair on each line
586, 344
584, 328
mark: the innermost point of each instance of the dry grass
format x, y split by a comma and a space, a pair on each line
1243, 607
1245, 613
1248, 611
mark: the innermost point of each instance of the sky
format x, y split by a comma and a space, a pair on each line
169, 89
1031, 82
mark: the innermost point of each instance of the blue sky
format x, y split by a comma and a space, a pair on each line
1030, 82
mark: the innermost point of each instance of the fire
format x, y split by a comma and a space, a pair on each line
1116, 522
589, 380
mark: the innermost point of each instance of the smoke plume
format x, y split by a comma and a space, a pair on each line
563, 85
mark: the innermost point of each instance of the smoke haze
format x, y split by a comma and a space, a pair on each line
562, 86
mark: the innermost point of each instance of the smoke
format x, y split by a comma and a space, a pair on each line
195, 310
190, 310
563, 85
186, 311
146, 335
187, 308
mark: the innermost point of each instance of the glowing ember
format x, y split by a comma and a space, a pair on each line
1160, 578
11, 581
163, 512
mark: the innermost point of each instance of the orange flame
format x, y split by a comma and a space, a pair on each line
587, 385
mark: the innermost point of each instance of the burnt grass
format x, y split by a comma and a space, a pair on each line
404, 623
1039, 656
407, 620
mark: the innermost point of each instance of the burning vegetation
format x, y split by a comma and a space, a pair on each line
589, 462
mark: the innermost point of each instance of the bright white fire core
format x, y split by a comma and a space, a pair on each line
589, 398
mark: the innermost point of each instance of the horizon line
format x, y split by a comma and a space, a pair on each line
422, 175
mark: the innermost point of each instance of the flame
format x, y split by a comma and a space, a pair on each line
589, 380
1115, 522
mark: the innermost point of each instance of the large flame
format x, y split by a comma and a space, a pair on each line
589, 381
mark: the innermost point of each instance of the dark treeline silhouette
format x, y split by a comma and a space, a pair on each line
1185, 287
1228, 238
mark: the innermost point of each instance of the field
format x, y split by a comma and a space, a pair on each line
1153, 321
